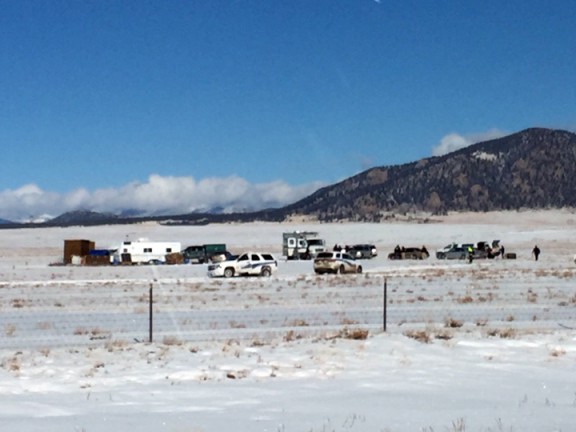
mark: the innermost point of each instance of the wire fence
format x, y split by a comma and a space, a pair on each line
78, 313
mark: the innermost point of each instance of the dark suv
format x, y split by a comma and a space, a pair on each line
204, 253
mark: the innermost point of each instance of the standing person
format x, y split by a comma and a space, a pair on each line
470, 254
502, 251
536, 252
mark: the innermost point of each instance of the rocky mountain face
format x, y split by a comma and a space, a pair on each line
534, 168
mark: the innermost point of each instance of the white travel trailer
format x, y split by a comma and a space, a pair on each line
143, 251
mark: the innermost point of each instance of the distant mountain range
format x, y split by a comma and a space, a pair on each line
531, 169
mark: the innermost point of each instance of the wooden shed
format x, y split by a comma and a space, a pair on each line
76, 248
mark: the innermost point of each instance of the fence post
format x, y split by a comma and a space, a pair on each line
150, 315
385, 308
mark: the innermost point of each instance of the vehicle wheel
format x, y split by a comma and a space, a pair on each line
359, 269
229, 272
342, 270
266, 272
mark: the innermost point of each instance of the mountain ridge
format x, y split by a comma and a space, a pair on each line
531, 169
534, 168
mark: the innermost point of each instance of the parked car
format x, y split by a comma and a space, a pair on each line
246, 264
454, 251
409, 253
481, 250
336, 262
363, 251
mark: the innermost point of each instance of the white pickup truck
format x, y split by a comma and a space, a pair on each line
246, 264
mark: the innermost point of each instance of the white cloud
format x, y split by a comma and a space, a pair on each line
158, 195
453, 141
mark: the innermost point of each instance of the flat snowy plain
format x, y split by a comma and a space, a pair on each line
487, 346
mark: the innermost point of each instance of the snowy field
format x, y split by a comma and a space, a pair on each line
487, 346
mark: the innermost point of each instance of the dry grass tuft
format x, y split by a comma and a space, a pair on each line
291, 336
11, 364
420, 335
540, 273
237, 325
355, 334
257, 343
452, 323
115, 345
465, 299
444, 335
557, 352
171, 341
297, 323
438, 273
18, 303
9, 330
508, 333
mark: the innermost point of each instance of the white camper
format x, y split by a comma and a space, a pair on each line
302, 245
143, 251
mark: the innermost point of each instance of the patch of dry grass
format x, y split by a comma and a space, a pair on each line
507, 333
420, 335
291, 336
464, 299
18, 303
171, 341
557, 352
452, 323
355, 334
12, 364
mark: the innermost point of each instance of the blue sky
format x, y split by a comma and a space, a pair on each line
186, 105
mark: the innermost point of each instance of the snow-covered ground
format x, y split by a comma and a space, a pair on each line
487, 346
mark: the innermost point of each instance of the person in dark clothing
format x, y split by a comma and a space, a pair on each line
501, 251
536, 252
